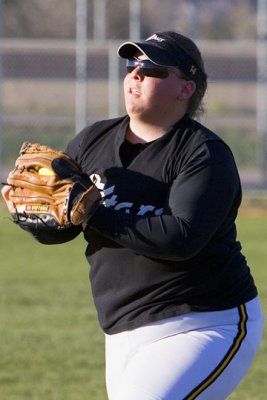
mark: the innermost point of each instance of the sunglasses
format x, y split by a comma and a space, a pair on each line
148, 68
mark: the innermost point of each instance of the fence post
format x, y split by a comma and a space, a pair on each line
1, 90
262, 84
135, 19
113, 81
81, 65
100, 19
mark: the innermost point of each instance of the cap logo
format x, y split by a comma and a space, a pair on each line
193, 69
156, 37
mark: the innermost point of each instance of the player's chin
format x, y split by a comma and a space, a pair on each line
134, 106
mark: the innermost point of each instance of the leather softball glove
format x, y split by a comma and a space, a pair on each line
48, 190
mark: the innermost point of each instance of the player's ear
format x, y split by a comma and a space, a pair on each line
187, 90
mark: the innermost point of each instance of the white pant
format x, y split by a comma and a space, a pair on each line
193, 356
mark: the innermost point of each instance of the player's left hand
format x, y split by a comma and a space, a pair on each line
48, 190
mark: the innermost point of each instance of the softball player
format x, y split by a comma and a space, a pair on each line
173, 291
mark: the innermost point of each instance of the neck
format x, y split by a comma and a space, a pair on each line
143, 132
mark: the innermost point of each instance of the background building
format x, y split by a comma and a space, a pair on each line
59, 69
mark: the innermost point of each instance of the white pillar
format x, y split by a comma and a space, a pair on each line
114, 82
81, 65
135, 19
262, 84
99, 19
1, 89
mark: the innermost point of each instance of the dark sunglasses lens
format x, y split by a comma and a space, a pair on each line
147, 68
130, 69
161, 73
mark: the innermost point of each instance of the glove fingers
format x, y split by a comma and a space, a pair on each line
32, 162
26, 197
32, 181
38, 183
33, 211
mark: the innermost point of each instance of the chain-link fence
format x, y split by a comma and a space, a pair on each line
38, 94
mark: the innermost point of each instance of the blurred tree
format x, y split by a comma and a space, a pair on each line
117, 19
39, 19
208, 19
227, 19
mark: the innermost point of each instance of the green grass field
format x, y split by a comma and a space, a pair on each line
51, 344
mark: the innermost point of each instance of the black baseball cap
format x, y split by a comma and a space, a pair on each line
164, 49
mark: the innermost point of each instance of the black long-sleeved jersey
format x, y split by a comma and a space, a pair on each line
164, 241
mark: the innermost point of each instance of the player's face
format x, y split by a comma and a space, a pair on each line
152, 97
